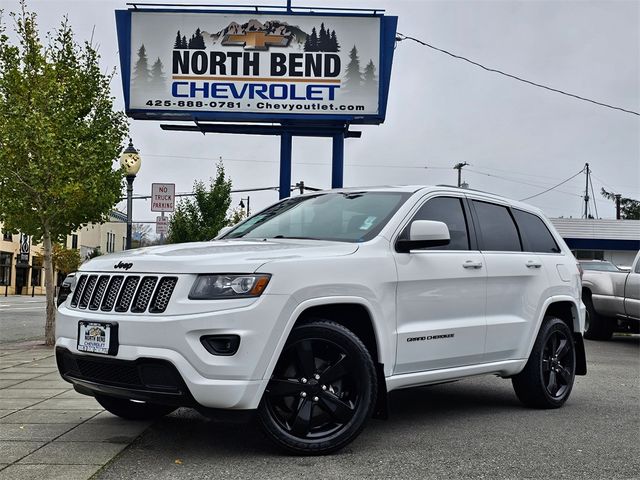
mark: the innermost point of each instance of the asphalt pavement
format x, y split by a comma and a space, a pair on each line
473, 428
22, 318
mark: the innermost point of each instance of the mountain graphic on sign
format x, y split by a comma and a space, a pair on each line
292, 34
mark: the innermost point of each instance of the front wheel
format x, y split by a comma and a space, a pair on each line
547, 378
132, 410
322, 390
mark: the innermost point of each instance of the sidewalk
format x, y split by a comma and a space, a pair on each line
47, 430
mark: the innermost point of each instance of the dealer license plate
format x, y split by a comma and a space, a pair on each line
95, 337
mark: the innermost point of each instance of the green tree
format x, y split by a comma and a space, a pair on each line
66, 260
201, 218
59, 136
629, 208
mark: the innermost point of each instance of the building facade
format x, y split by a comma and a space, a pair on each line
21, 262
617, 241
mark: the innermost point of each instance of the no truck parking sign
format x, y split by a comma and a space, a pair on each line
163, 197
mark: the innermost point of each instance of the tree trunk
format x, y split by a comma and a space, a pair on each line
50, 325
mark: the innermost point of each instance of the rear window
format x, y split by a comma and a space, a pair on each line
535, 234
497, 229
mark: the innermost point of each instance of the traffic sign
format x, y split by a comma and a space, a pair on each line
163, 196
162, 225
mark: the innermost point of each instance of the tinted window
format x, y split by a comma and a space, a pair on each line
535, 234
340, 216
450, 211
497, 229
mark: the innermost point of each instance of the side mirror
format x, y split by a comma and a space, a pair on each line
222, 231
423, 234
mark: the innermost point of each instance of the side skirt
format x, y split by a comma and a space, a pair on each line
407, 380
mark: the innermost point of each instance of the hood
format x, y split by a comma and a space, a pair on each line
237, 256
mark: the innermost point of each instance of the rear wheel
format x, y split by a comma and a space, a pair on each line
133, 410
596, 326
321, 392
547, 378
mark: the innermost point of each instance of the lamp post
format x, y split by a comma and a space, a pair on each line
130, 162
242, 204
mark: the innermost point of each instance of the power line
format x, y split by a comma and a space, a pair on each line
402, 36
555, 186
519, 181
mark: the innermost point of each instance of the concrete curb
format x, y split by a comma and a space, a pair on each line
47, 430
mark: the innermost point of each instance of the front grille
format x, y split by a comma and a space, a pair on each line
126, 294
141, 374
143, 296
123, 293
163, 294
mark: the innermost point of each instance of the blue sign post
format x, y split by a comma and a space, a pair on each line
312, 73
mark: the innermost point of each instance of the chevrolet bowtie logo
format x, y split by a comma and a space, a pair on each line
256, 40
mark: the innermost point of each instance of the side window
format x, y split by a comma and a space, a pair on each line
450, 211
535, 234
497, 229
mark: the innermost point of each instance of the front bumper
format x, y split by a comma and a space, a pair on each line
203, 379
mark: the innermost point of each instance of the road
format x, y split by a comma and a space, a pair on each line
22, 317
474, 428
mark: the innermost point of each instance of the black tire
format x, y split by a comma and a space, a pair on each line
547, 378
130, 410
322, 391
596, 326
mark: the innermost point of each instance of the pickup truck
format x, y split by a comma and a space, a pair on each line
612, 299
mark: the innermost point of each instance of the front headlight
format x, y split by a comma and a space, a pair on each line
228, 285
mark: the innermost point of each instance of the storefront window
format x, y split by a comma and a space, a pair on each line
5, 268
36, 271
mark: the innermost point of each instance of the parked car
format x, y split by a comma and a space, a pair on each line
612, 299
311, 310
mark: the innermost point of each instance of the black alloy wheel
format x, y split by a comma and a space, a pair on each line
321, 392
548, 376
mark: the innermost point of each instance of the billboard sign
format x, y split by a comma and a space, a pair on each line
238, 66
163, 196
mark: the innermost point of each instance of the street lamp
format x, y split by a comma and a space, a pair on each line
242, 203
130, 162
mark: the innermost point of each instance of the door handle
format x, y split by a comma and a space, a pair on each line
472, 264
533, 264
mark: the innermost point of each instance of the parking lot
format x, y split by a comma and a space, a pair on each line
473, 428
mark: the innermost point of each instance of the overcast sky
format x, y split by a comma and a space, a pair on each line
518, 139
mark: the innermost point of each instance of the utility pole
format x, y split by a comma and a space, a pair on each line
459, 166
617, 197
586, 191
300, 185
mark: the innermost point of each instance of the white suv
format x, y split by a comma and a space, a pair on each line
313, 309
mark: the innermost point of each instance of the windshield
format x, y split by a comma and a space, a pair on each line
600, 266
345, 217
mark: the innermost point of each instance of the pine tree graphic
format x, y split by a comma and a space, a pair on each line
353, 77
333, 42
370, 81
178, 43
141, 74
157, 76
322, 41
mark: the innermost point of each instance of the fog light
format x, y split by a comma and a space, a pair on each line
221, 344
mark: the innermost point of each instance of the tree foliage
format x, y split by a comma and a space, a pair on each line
66, 260
59, 136
629, 208
201, 218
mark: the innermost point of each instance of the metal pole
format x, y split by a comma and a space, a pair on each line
586, 192
285, 165
248, 203
337, 161
162, 234
618, 196
130, 179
